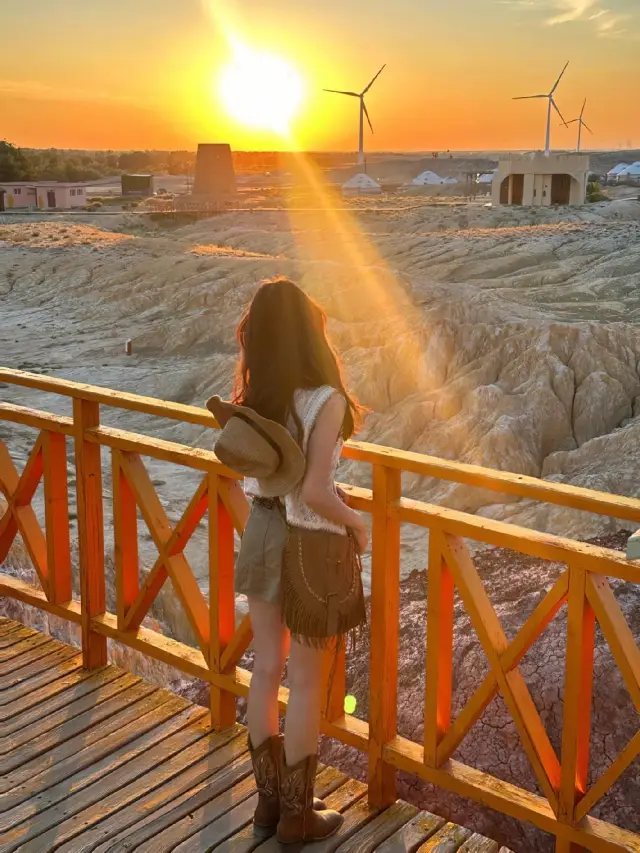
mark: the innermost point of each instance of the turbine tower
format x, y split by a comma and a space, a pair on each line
552, 103
581, 124
363, 111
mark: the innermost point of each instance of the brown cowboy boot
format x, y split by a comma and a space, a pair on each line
266, 761
298, 819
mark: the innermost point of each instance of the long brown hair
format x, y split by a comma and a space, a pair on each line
284, 347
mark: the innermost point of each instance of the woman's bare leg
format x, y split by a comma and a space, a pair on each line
270, 651
302, 724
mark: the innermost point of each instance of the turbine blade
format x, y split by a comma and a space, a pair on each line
559, 79
573, 121
340, 92
364, 91
364, 107
528, 97
588, 128
553, 103
583, 106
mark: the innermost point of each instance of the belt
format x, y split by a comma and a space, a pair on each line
268, 503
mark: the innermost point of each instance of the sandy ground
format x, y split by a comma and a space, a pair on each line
503, 337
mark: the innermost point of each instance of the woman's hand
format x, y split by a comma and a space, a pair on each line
361, 535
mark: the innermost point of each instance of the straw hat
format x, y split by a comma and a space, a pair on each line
257, 447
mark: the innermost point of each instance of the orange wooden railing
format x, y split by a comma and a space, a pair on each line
566, 801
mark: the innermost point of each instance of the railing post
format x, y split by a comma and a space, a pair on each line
125, 540
385, 608
221, 601
56, 512
335, 681
438, 676
86, 414
576, 724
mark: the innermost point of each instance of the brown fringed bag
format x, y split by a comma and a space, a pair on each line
322, 596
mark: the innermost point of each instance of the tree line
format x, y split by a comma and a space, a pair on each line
56, 164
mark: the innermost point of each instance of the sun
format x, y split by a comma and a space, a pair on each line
260, 89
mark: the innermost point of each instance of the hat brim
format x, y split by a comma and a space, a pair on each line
290, 473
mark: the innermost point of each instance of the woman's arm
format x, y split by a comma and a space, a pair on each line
317, 487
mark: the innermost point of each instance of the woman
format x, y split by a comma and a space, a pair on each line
289, 374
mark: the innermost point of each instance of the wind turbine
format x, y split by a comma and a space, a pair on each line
581, 124
363, 111
552, 103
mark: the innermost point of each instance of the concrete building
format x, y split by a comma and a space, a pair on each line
215, 176
138, 185
539, 180
43, 194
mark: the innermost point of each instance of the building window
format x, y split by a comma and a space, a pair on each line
79, 191
17, 191
73, 192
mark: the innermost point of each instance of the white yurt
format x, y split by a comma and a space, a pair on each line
613, 173
487, 178
426, 179
361, 185
632, 171
450, 181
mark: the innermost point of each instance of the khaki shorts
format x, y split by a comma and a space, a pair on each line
259, 564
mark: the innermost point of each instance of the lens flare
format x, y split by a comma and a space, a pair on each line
349, 704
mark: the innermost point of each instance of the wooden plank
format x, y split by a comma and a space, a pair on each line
47, 662
16, 635
576, 718
27, 644
50, 701
184, 582
608, 779
99, 750
601, 503
533, 735
226, 825
78, 795
56, 509
439, 653
449, 839
413, 834
158, 448
237, 645
221, 600
596, 835
343, 799
221, 767
90, 531
380, 829
235, 500
86, 711
210, 822
182, 805
9, 625
125, 540
21, 591
118, 794
617, 633
131, 691
385, 609
546, 546
34, 418
119, 399
480, 844
65, 675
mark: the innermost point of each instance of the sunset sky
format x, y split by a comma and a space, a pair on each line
148, 73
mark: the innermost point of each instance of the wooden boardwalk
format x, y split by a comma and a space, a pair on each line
102, 761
